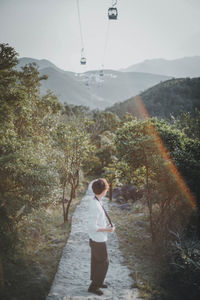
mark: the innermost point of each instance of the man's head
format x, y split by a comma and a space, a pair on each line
100, 186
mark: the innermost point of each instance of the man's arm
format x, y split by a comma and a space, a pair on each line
107, 229
92, 222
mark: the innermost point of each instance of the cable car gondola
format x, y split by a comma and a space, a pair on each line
101, 73
112, 12
83, 59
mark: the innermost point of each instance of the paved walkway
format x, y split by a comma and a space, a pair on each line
73, 275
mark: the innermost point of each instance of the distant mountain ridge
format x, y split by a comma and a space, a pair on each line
89, 88
42, 63
182, 67
163, 100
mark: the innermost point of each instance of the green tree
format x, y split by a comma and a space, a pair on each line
135, 145
27, 168
145, 145
74, 146
103, 121
112, 175
189, 123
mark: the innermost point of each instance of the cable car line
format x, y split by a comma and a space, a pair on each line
112, 15
114, 3
79, 18
83, 59
105, 48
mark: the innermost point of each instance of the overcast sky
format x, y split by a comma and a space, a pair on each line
145, 29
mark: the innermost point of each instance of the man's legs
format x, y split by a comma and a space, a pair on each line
99, 262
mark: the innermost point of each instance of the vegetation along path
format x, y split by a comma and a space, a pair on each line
73, 275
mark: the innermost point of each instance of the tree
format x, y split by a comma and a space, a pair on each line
74, 144
103, 121
27, 168
136, 146
111, 173
189, 123
147, 144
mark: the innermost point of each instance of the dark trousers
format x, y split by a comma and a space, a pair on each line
99, 262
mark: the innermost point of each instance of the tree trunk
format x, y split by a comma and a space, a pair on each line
74, 194
68, 204
149, 203
76, 184
73, 191
63, 198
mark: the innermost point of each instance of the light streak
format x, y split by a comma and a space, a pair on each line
141, 112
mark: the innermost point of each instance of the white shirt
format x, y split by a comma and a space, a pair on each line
96, 220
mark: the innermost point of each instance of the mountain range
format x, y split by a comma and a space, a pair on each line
182, 67
89, 88
96, 91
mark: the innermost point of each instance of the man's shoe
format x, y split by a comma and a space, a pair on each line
95, 290
104, 286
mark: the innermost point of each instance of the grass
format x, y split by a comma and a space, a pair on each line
42, 236
161, 271
132, 228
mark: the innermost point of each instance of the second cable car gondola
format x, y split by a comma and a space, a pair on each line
83, 59
112, 13
101, 73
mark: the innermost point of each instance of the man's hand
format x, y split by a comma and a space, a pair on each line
111, 229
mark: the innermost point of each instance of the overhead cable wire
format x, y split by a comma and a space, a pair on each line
80, 26
106, 43
114, 3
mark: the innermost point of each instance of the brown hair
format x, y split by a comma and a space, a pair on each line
99, 186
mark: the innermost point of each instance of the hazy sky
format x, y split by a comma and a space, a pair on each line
145, 29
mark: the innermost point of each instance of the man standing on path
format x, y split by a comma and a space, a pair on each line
97, 230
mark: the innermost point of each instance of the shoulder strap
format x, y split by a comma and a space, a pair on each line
105, 212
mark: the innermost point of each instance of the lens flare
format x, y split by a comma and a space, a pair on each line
140, 111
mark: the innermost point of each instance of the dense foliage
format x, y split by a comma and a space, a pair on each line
41, 148
162, 159
26, 165
46, 146
165, 99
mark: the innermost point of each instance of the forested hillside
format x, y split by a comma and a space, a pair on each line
165, 99
48, 150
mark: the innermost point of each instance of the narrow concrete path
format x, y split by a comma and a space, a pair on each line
73, 275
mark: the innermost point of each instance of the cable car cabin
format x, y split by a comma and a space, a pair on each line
101, 73
83, 61
112, 13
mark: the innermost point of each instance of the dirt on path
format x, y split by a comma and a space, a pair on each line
73, 275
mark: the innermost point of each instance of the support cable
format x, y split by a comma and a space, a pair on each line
106, 44
80, 26
114, 3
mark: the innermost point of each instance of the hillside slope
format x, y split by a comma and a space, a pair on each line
165, 99
91, 89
